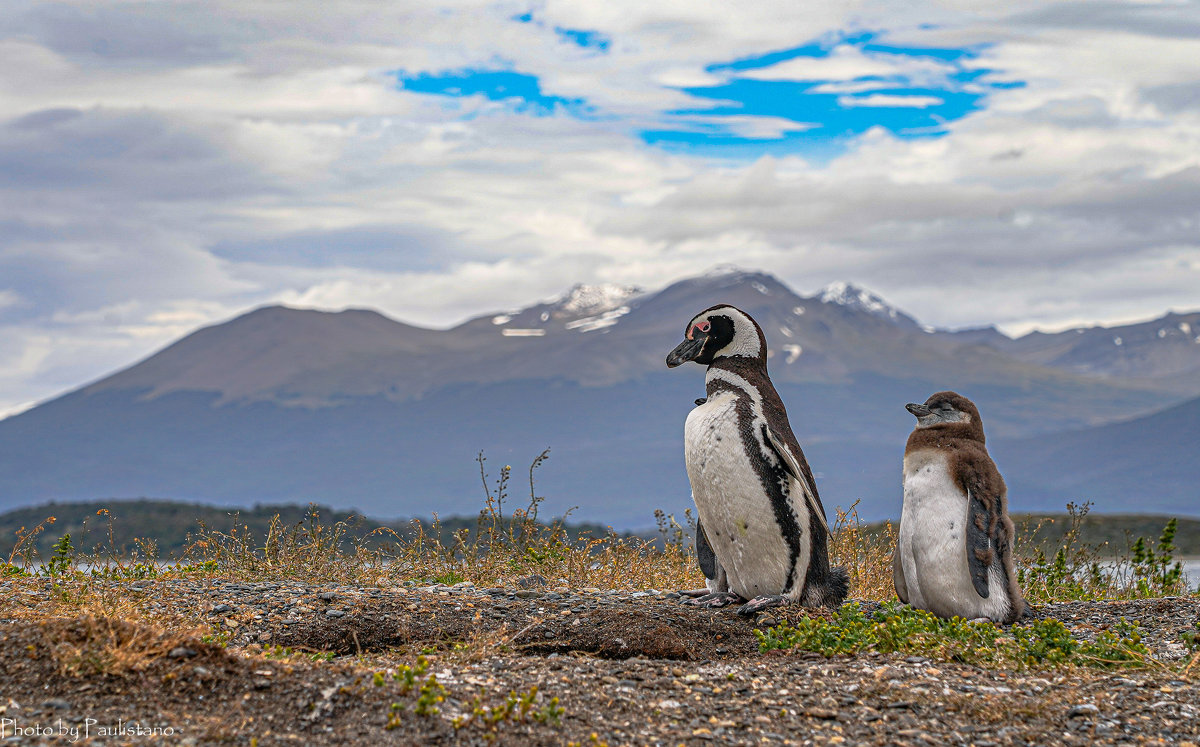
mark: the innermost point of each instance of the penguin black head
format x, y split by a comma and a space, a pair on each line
948, 410
721, 331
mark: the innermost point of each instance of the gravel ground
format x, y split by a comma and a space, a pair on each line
629, 668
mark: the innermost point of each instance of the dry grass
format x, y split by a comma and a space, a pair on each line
867, 555
502, 548
106, 645
508, 547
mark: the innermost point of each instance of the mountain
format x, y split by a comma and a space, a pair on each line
356, 410
1163, 352
1137, 463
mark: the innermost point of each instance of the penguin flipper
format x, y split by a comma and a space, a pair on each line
979, 544
798, 468
705, 554
898, 576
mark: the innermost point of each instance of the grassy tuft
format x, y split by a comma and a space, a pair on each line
503, 547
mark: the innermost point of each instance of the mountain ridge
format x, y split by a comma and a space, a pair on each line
353, 408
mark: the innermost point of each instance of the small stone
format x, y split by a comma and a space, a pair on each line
290, 621
1083, 709
181, 652
529, 594
334, 613
222, 608
767, 621
201, 671
530, 581
827, 714
328, 596
261, 683
56, 704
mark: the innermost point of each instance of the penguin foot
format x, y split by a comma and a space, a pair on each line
693, 593
758, 604
716, 599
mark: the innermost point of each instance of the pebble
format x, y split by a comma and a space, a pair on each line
181, 652
222, 608
1083, 709
334, 613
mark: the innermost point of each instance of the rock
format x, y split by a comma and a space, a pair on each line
528, 594
828, 714
222, 608
328, 596
530, 581
334, 613
1082, 710
56, 704
181, 652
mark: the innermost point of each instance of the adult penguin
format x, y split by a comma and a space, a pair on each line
762, 538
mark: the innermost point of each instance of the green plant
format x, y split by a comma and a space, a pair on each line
431, 694
62, 561
1191, 638
217, 638
516, 708
1157, 572
903, 629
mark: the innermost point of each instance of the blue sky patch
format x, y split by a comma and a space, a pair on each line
930, 88
586, 39
522, 91
767, 103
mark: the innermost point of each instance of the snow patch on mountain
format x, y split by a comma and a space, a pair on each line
853, 297
601, 321
595, 299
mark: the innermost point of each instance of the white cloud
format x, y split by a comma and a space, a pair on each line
846, 63
194, 168
884, 99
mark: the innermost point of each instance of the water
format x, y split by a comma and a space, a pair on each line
1191, 568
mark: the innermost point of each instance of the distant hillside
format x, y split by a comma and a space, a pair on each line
352, 409
169, 523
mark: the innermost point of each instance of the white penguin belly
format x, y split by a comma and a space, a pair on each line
735, 509
933, 545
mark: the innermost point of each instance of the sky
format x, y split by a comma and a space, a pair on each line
166, 165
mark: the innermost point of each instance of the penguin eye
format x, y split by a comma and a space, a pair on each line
704, 326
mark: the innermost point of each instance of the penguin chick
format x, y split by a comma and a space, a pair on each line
955, 553
761, 534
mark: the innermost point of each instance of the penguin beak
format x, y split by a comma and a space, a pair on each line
919, 410
685, 351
